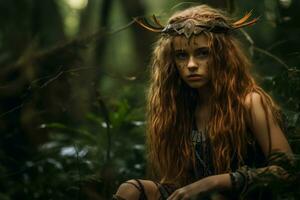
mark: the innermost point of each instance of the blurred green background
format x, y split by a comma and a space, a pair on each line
73, 81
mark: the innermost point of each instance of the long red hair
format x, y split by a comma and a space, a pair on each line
171, 105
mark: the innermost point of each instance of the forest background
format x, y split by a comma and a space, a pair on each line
73, 80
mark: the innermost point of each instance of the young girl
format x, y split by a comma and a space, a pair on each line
212, 131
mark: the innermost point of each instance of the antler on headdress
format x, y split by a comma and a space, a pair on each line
242, 22
144, 23
192, 25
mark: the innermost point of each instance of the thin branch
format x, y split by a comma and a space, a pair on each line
12, 110
106, 117
266, 52
247, 36
272, 56
78, 42
122, 28
52, 79
276, 44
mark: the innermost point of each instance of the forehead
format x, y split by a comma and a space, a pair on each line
181, 42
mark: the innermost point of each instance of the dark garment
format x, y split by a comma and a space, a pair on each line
204, 166
202, 155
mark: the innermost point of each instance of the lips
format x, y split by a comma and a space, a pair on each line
195, 77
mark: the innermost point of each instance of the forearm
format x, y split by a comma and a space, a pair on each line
220, 182
238, 181
277, 171
212, 186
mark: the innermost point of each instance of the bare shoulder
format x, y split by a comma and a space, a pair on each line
264, 124
252, 99
256, 112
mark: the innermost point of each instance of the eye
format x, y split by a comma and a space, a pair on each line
201, 52
181, 55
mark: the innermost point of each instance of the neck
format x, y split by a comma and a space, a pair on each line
204, 95
203, 109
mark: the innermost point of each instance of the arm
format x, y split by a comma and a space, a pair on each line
269, 136
259, 120
272, 141
205, 186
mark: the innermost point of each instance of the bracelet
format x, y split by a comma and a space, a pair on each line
247, 179
233, 181
237, 180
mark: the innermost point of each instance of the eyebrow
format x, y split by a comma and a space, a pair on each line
199, 48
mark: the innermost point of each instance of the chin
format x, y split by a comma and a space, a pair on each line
196, 85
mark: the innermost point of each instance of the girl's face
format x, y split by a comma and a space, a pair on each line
191, 59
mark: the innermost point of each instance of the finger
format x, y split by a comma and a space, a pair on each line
173, 196
178, 196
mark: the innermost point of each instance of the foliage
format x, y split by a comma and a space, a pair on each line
79, 158
72, 114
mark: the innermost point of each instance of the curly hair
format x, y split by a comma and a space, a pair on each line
172, 103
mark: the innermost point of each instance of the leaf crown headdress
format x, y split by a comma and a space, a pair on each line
196, 24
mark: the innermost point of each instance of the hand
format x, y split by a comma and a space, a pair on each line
202, 187
196, 189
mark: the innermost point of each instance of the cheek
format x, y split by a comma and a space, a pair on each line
205, 66
181, 73
181, 70
180, 65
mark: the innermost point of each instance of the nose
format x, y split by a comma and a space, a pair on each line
192, 65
